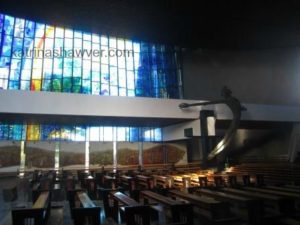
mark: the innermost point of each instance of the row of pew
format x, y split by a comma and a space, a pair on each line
168, 197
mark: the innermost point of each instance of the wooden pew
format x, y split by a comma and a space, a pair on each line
272, 203
128, 183
109, 182
289, 195
144, 182
249, 208
39, 212
214, 211
86, 210
91, 186
134, 212
284, 189
104, 194
162, 181
182, 213
292, 186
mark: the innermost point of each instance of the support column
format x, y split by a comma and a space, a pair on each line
206, 131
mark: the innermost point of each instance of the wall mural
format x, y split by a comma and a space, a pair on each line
39, 154
176, 152
153, 153
101, 153
72, 154
128, 153
9, 156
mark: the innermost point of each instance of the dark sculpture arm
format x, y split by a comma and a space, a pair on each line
236, 109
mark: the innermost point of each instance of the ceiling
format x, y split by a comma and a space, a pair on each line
203, 24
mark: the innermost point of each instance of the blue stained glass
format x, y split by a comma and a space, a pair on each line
4, 62
80, 134
122, 79
134, 134
130, 93
104, 89
13, 85
96, 38
28, 44
114, 91
26, 74
152, 71
3, 84
86, 86
39, 30
96, 88
6, 48
67, 71
17, 47
17, 132
69, 33
87, 37
104, 40
59, 43
59, 32
29, 28
130, 80
4, 131
14, 75
25, 85
113, 76
122, 92
129, 63
112, 42
8, 25
1, 21
46, 85
104, 74
136, 47
95, 76
4, 73
77, 34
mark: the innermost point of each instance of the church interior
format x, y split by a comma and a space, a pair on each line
149, 112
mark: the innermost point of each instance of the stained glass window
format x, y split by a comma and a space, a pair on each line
40, 57
33, 132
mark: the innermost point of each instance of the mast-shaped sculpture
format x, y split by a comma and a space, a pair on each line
236, 109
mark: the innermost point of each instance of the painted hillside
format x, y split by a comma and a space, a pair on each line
9, 156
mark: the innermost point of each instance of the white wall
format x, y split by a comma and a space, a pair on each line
267, 76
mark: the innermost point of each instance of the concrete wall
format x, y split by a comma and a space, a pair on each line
257, 76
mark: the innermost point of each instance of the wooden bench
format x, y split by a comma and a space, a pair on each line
104, 194
248, 208
214, 211
91, 186
284, 189
144, 182
180, 212
133, 211
128, 183
162, 181
289, 195
109, 182
276, 205
83, 208
38, 213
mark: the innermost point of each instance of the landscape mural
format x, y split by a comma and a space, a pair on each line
39, 154
9, 156
128, 153
101, 153
176, 152
72, 154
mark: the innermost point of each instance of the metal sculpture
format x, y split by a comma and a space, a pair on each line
236, 109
